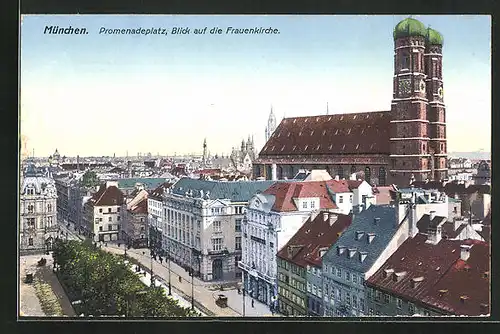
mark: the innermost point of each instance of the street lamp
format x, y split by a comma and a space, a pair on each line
193, 252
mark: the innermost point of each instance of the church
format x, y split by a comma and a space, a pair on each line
407, 142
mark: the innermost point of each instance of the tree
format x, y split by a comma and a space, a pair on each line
90, 179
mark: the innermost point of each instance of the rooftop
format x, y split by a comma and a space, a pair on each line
358, 133
315, 235
435, 275
367, 236
107, 196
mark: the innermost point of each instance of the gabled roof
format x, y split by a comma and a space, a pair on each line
424, 223
286, 192
357, 133
424, 269
381, 230
235, 191
141, 207
107, 196
313, 236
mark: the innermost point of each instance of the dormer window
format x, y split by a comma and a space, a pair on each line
370, 237
352, 251
340, 250
387, 272
396, 277
362, 256
359, 235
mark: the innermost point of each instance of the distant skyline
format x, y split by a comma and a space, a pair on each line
99, 95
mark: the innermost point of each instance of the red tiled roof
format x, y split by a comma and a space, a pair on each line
285, 192
358, 133
383, 194
434, 264
312, 237
107, 196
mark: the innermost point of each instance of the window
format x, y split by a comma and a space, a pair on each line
386, 298
217, 244
100, 228
348, 299
308, 287
109, 210
217, 226
31, 208
314, 289
118, 210
339, 272
312, 204
348, 276
30, 222
100, 220
308, 268
354, 302
30, 242
110, 219
338, 294
411, 308
313, 269
100, 210
142, 229
319, 292
381, 176
399, 302
341, 199
118, 218
371, 312
304, 205
370, 293
354, 278
237, 225
49, 207
110, 227
31, 192
367, 174
236, 260
238, 243
362, 304
405, 61
350, 198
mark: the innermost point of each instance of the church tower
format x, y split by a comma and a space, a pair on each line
204, 161
409, 138
436, 110
271, 125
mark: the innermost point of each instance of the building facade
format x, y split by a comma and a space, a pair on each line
387, 146
204, 220
38, 212
274, 216
134, 227
156, 216
103, 213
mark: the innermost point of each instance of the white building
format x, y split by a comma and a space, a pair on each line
274, 216
102, 217
37, 208
203, 225
156, 215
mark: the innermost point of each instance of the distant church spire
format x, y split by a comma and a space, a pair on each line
327, 111
204, 152
271, 125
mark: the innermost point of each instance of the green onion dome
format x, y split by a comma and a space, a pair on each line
409, 27
434, 37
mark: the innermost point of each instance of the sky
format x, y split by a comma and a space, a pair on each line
104, 94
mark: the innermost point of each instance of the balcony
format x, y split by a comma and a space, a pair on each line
218, 252
255, 273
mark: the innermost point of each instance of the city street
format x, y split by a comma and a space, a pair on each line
204, 296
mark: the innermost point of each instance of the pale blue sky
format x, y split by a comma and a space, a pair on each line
103, 94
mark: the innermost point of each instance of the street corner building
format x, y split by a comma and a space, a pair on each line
388, 147
135, 232
156, 217
299, 264
37, 208
431, 276
103, 213
276, 214
203, 225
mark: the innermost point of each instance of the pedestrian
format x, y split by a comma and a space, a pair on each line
105, 244
252, 302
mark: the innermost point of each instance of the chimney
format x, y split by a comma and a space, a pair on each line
337, 178
465, 252
434, 235
325, 216
332, 218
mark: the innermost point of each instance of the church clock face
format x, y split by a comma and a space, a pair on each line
422, 86
440, 92
404, 86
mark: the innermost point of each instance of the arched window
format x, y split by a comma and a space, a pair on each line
353, 169
381, 176
405, 61
49, 207
340, 172
31, 209
367, 174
